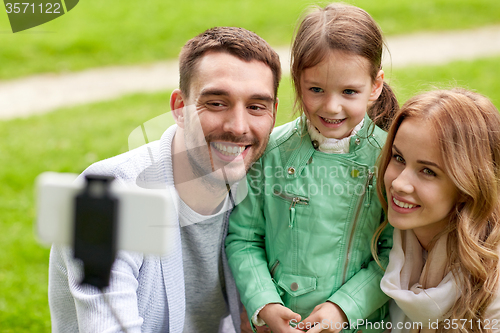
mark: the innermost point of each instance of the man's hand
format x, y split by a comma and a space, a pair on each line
247, 328
330, 317
278, 317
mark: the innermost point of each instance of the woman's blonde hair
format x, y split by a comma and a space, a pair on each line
467, 126
344, 28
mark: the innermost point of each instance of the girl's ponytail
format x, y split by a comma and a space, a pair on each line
385, 107
348, 29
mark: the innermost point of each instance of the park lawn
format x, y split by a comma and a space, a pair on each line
117, 32
63, 141
69, 140
480, 75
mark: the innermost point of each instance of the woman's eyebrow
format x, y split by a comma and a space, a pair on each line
429, 163
396, 149
418, 161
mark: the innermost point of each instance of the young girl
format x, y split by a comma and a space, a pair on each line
439, 181
299, 244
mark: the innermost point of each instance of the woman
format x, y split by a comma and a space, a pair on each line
440, 186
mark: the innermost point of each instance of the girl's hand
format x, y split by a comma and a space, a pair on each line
330, 317
278, 317
247, 328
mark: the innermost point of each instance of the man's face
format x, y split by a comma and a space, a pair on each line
233, 102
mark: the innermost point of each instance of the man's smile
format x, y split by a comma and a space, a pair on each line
227, 149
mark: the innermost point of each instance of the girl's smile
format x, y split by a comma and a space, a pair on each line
337, 91
332, 123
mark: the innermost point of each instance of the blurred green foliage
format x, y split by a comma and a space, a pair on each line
480, 75
70, 139
64, 141
117, 32
113, 32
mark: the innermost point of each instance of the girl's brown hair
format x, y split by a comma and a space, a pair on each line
344, 28
467, 126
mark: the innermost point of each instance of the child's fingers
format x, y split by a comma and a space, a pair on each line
313, 318
278, 318
288, 314
316, 329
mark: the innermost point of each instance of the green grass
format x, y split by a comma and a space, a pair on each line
71, 139
114, 32
63, 141
117, 32
480, 75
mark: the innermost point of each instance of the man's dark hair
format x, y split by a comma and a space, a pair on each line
238, 42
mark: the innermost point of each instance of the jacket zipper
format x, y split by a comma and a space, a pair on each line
294, 201
359, 205
273, 269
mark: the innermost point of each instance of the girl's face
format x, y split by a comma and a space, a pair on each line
420, 194
336, 93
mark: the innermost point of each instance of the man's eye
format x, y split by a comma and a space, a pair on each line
316, 89
256, 107
215, 104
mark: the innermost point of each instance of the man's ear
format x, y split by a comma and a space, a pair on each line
377, 86
275, 112
177, 105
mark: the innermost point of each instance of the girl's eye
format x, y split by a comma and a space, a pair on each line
316, 89
349, 92
428, 172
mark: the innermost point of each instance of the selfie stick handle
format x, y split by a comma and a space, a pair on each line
95, 232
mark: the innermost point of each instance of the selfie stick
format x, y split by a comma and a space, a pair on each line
95, 232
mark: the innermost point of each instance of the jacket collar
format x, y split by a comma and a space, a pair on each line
301, 156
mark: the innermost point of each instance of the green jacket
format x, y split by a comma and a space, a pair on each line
302, 235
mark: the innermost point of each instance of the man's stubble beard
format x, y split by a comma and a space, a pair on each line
206, 174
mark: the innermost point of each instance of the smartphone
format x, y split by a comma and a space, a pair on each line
146, 219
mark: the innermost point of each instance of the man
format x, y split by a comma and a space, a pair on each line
225, 110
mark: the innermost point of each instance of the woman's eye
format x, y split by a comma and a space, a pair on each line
428, 172
398, 158
349, 92
316, 89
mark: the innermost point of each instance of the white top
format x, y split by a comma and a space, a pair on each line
402, 282
331, 145
147, 292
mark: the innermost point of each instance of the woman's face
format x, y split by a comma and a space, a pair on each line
420, 193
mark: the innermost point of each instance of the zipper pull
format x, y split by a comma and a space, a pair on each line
369, 188
292, 212
273, 269
294, 202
